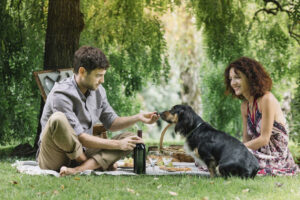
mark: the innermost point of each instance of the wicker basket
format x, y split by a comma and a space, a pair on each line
177, 150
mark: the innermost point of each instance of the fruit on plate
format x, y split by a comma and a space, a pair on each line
175, 169
128, 162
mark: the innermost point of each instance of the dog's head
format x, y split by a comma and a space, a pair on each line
183, 116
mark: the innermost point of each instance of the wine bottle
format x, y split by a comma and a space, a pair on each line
139, 157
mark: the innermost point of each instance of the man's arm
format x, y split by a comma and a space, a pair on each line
125, 144
119, 123
123, 122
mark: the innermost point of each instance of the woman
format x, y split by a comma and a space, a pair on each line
263, 121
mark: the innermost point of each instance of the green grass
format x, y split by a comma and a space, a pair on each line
14, 185
6, 150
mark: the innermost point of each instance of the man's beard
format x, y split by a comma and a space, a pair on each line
91, 87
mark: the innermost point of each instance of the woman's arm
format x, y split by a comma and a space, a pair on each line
246, 137
268, 107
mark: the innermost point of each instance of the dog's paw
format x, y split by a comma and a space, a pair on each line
218, 171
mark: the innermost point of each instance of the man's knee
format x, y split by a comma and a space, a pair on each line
123, 135
57, 119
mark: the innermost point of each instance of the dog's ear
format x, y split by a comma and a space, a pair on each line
180, 113
185, 121
185, 116
188, 118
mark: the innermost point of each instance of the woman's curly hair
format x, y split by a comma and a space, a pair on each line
258, 79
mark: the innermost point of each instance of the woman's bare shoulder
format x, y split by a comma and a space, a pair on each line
268, 99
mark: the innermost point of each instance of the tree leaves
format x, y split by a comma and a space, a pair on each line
20, 53
224, 27
131, 36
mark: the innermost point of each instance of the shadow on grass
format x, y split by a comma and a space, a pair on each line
6, 151
7, 154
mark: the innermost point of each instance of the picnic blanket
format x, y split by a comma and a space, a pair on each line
32, 168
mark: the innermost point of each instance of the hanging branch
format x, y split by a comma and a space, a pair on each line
274, 11
19, 21
293, 34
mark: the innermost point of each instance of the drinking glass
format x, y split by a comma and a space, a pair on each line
167, 158
153, 157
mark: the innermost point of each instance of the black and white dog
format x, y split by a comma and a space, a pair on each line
215, 148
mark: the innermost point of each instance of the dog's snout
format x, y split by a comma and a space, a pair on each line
163, 115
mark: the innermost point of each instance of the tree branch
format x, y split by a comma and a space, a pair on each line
293, 34
274, 11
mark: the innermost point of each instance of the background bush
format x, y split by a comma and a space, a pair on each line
132, 35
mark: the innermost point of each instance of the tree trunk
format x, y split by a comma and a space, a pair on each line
190, 90
183, 43
64, 25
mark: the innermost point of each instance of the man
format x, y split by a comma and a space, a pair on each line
72, 108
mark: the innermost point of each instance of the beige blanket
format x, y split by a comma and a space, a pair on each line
32, 168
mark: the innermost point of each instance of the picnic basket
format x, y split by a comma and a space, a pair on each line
176, 150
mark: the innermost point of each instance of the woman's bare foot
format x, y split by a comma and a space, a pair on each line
65, 171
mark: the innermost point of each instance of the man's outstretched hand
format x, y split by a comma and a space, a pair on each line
123, 122
149, 118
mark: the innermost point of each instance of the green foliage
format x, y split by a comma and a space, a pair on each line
231, 30
272, 46
223, 23
221, 111
122, 104
295, 112
224, 27
161, 6
131, 35
132, 38
20, 54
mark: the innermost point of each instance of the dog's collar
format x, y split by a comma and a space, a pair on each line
190, 133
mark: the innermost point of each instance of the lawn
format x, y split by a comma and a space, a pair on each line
14, 185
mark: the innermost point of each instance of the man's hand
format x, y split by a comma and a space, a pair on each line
149, 118
124, 122
128, 144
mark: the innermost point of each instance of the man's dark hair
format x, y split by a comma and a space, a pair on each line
90, 58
